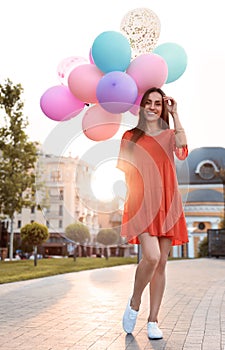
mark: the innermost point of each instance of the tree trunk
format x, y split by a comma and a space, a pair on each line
11, 235
106, 253
75, 253
35, 255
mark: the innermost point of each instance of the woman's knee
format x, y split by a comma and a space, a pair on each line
152, 259
150, 249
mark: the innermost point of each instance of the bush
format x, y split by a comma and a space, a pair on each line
78, 232
107, 236
203, 248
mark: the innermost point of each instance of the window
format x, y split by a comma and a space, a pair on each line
201, 226
19, 224
206, 169
55, 175
60, 224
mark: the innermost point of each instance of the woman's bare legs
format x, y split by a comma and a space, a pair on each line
146, 268
158, 281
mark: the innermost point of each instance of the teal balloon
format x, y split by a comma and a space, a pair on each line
175, 57
111, 51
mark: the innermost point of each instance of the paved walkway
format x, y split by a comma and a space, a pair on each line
83, 310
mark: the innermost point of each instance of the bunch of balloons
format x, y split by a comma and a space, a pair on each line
121, 67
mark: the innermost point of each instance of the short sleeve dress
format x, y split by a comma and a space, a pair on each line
153, 202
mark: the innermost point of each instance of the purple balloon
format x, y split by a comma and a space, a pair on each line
116, 92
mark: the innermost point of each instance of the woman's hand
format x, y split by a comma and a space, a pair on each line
180, 136
171, 105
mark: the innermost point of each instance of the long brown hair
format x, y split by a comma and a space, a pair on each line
139, 130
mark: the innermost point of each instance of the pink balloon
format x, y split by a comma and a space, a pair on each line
136, 106
99, 124
148, 70
59, 104
83, 81
67, 65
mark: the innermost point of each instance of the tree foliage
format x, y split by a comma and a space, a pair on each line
18, 155
107, 236
35, 234
78, 232
203, 248
222, 223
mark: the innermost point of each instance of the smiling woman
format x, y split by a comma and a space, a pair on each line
107, 182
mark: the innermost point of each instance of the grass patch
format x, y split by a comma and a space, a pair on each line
14, 271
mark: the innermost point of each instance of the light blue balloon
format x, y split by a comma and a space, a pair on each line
111, 51
175, 57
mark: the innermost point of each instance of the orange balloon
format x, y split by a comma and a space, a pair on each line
99, 124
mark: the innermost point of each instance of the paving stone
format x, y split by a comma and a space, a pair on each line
83, 310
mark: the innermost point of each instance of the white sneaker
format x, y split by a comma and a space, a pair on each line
129, 319
153, 331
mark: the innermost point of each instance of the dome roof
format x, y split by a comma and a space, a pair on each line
201, 165
205, 195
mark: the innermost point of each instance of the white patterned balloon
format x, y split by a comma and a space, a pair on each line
141, 26
67, 65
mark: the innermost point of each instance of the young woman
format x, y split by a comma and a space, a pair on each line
153, 213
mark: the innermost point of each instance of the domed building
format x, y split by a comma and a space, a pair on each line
201, 179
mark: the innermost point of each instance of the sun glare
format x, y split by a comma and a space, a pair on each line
108, 182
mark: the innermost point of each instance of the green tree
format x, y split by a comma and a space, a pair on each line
107, 236
203, 248
18, 156
34, 234
78, 232
222, 223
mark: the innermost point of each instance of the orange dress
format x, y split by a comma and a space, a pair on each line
153, 202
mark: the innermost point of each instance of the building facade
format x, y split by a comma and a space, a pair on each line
58, 203
64, 196
201, 181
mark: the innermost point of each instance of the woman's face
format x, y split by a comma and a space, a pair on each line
153, 106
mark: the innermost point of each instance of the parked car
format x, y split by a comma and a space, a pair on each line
39, 256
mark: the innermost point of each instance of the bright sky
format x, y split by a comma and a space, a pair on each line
37, 35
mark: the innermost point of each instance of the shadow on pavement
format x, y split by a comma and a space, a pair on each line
130, 340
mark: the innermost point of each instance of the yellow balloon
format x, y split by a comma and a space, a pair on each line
141, 26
